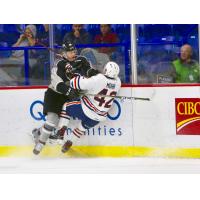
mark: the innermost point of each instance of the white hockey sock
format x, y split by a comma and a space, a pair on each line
46, 130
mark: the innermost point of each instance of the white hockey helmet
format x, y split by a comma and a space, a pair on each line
111, 69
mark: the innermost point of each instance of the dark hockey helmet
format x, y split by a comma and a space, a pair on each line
68, 46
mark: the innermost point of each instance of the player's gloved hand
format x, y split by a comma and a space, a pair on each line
92, 72
72, 93
68, 68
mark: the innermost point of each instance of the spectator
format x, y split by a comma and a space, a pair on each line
106, 36
187, 69
43, 35
25, 39
78, 35
40, 71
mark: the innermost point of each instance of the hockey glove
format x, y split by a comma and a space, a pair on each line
68, 68
92, 72
72, 94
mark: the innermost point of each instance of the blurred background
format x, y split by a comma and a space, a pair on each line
152, 61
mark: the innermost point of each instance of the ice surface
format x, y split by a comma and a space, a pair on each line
99, 165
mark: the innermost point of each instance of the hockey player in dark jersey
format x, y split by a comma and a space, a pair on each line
58, 92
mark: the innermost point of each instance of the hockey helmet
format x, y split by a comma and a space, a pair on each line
68, 46
111, 70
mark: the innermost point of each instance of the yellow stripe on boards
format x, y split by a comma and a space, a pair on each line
101, 151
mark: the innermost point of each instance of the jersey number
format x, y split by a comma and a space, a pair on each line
101, 100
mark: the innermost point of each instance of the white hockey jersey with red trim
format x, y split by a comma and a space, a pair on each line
94, 106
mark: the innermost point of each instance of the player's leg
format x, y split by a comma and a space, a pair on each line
79, 132
35, 134
53, 103
70, 109
46, 130
64, 119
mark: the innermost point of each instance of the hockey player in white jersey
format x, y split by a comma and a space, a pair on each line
93, 106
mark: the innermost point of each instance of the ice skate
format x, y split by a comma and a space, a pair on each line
66, 146
38, 147
59, 135
35, 135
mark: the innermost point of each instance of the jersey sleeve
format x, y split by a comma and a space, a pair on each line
59, 63
92, 72
57, 76
86, 64
61, 68
82, 83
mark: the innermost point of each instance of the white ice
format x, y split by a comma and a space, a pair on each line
99, 165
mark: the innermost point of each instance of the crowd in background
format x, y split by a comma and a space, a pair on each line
165, 53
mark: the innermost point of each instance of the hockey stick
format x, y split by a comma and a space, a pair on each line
118, 97
49, 49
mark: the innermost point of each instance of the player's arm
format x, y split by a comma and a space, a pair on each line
92, 72
57, 76
82, 83
89, 70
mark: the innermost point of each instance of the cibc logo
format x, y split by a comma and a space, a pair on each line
187, 116
37, 107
